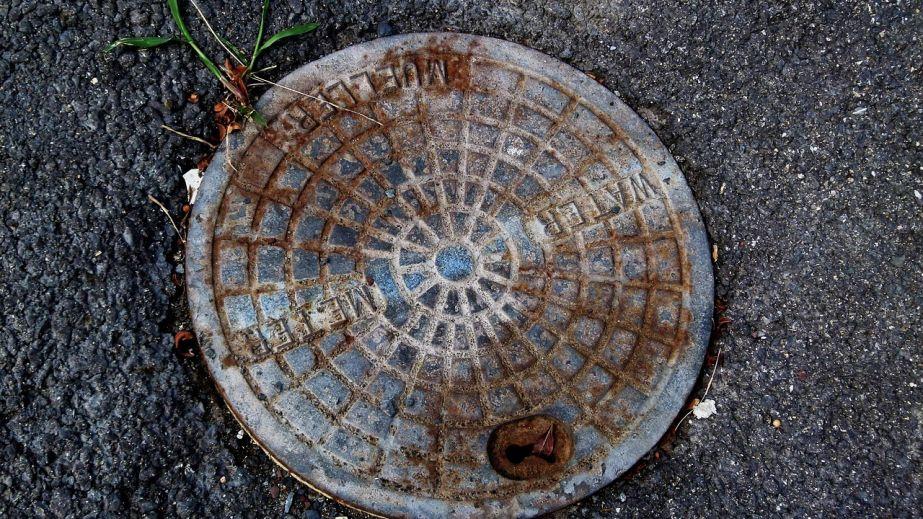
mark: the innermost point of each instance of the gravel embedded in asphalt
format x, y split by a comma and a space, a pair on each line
798, 129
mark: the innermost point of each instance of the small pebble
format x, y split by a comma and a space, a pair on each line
129, 237
385, 29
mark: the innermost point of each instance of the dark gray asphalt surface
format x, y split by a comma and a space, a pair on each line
798, 128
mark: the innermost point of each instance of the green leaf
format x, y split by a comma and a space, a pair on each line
233, 48
287, 33
178, 19
258, 119
146, 42
259, 35
251, 113
187, 37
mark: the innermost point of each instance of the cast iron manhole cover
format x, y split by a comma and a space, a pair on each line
481, 288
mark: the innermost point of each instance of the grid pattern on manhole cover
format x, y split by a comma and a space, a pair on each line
482, 235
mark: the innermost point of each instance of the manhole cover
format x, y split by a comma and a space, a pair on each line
482, 287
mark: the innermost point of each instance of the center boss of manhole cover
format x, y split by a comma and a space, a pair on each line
453, 276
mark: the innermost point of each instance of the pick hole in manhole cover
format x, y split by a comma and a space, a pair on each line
447, 238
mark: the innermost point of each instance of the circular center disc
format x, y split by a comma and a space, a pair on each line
451, 276
454, 263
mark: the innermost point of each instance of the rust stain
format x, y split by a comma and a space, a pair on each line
228, 361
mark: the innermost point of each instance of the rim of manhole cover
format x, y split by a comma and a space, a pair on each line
435, 236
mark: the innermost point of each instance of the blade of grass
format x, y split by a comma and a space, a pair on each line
259, 35
187, 36
287, 33
252, 114
144, 42
239, 54
178, 19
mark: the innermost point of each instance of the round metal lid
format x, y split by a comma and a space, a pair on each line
453, 276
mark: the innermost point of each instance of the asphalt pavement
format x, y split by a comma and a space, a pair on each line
797, 125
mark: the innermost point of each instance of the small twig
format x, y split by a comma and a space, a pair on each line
231, 107
164, 209
707, 387
713, 370
187, 136
320, 99
681, 420
218, 39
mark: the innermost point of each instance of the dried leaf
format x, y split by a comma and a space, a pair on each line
237, 77
182, 344
225, 120
203, 163
226, 129
546, 446
182, 336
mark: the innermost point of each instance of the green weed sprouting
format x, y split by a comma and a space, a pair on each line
232, 77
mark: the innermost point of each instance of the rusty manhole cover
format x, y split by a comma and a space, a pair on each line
483, 288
